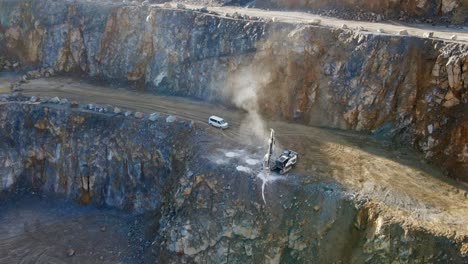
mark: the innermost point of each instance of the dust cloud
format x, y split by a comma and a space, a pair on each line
242, 89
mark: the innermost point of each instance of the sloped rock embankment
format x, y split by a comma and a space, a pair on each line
410, 89
206, 212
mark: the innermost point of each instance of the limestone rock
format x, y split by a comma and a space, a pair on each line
315, 22
54, 100
428, 35
154, 116
403, 32
171, 119
138, 115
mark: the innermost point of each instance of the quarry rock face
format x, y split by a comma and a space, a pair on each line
204, 212
392, 85
88, 156
454, 10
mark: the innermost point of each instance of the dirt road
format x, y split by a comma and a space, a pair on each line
397, 177
390, 27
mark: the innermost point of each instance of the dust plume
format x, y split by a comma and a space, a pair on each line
242, 89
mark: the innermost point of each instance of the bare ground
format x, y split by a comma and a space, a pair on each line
43, 230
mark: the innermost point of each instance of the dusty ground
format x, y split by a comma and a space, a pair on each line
40, 230
390, 27
396, 176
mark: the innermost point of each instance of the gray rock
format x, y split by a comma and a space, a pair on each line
139, 115
171, 119
33, 99
428, 34
403, 32
54, 100
117, 110
361, 28
70, 252
315, 22
154, 116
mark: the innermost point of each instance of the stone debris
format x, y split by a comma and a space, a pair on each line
154, 116
380, 30
315, 22
171, 119
403, 32
117, 110
344, 26
180, 6
454, 37
70, 252
428, 35
138, 115
451, 102
55, 100
74, 104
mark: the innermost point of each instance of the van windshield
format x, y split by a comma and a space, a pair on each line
222, 121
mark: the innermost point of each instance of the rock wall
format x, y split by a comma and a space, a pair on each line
455, 11
100, 158
206, 212
411, 89
434, 12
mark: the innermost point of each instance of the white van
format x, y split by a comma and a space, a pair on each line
218, 122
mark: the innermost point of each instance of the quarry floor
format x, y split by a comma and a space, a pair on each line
386, 27
39, 229
411, 191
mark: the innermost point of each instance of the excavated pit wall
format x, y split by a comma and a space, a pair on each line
407, 88
456, 11
91, 157
206, 212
